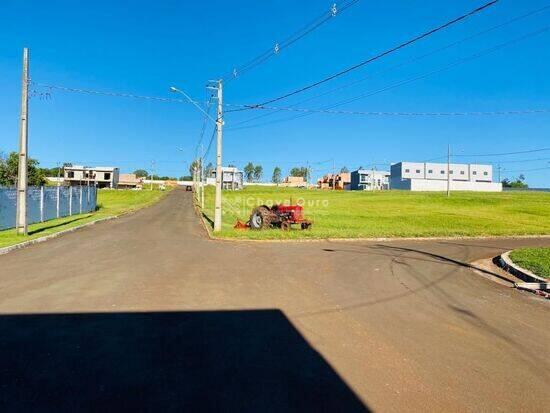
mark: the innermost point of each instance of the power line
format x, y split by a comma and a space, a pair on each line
528, 170
524, 160
504, 153
112, 94
371, 113
385, 53
406, 62
279, 46
405, 81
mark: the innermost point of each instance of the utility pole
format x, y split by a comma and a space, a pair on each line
449, 170
499, 173
333, 175
219, 177
21, 218
152, 172
202, 177
307, 175
372, 178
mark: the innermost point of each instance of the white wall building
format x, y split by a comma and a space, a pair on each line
369, 180
232, 178
422, 176
100, 176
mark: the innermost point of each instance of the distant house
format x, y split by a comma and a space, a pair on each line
339, 181
294, 182
232, 178
422, 176
369, 180
129, 181
99, 176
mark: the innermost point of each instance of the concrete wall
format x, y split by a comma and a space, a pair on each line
440, 185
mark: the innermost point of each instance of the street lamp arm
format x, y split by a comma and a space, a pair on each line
174, 89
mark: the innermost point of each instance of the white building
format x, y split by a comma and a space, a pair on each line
232, 178
414, 176
369, 180
100, 176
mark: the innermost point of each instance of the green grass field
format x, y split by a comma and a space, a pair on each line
363, 214
110, 203
536, 260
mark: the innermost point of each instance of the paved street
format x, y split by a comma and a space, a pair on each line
146, 312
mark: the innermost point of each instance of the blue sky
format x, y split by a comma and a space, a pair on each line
144, 47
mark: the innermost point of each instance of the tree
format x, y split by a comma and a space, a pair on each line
208, 169
519, 183
276, 178
196, 164
249, 172
258, 170
141, 173
9, 168
344, 170
300, 171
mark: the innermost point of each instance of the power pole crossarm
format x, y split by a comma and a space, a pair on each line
22, 226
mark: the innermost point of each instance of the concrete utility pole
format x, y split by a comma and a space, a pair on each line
21, 218
202, 177
449, 170
219, 177
333, 175
152, 171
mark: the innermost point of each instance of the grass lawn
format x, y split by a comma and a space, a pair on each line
364, 214
536, 260
110, 203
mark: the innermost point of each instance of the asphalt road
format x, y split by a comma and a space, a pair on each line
146, 313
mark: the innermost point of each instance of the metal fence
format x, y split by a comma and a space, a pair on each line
47, 202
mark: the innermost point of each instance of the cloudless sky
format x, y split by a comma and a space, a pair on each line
144, 47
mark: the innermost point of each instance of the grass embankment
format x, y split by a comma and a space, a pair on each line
536, 260
110, 203
364, 214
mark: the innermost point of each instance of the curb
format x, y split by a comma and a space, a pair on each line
379, 239
533, 283
24, 244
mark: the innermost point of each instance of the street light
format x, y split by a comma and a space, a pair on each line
176, 90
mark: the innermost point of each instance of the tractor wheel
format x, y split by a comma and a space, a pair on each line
285, 226
260, 218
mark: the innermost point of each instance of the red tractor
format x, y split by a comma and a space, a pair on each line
279, 216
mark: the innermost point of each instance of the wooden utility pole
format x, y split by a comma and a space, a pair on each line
21, 218
219, 173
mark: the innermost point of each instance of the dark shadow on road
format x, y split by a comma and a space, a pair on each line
230, 361
61, 224
442, 258
208, 219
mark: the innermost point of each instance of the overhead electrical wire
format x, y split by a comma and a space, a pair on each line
503, 153
373, 113
106, 93
406, 62
382, 54
451, 65
326, 16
